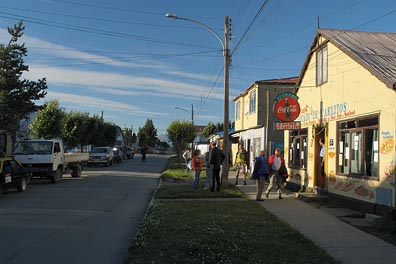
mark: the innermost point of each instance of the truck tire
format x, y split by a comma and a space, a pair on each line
57, 176
76, 171
22, 185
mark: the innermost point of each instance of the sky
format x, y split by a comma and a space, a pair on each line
125, 59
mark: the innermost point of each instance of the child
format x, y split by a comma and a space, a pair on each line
196, 165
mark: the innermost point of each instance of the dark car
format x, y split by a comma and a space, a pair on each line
118, 154
13, 175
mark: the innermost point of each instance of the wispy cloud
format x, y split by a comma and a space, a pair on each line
83, 102
95, 79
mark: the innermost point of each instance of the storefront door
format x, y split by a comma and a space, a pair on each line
320, 179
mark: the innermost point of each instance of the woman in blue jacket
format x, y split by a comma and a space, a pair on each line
260, 173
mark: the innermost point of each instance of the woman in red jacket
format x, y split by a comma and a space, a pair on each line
196, 165
275, 161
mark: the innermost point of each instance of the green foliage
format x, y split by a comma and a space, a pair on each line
180, 133
213, 231
148, 134
75, 129
48, 122
17, 95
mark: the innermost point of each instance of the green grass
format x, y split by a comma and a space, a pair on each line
181, 228
219, 232
186, 192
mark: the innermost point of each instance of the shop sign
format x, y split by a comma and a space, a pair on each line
288, 125
286, 107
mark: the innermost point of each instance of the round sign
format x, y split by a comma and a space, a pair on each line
287, 109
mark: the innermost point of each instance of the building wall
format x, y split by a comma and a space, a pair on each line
351, 91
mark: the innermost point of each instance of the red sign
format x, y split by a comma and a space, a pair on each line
286, 107
288, 125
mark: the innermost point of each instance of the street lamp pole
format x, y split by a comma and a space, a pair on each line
192, 118
227, 59
185, 110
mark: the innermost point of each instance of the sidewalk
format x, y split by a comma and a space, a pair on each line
341, 240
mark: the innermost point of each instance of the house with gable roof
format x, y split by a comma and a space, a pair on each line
347, 96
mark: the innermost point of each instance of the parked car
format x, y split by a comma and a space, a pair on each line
118, 154
13, 175
101, 155
130, 152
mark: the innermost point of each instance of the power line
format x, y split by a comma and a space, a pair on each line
250, 25
91, 30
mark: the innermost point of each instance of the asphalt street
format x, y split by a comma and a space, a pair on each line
91, 219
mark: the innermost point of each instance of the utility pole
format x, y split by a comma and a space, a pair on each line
226, 145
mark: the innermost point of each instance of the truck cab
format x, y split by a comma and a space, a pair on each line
46, 158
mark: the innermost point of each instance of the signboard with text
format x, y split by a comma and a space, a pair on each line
288, 125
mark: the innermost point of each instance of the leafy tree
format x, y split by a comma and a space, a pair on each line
17, 96
75, 129
180, 133
148, 134
209, 130
48, 122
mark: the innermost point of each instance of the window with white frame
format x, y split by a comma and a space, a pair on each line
298, 150
252, 101
321, 66
358, 146
238, 110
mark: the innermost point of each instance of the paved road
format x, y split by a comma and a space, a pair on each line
91, 219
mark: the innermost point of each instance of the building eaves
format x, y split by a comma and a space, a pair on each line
375, 51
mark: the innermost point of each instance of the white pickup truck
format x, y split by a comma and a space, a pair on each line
46, 158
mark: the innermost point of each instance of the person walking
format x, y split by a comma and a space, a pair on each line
275, 161
240, 164
196, 165
143, 152
187, 158
216, 158
260, 173
208, 181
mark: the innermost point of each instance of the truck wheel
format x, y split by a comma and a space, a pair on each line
22, 185
76, 171
108, 163
57, 176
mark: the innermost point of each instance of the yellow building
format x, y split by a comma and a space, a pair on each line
254, 118
347, 96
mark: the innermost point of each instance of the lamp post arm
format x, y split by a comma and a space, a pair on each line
199, 23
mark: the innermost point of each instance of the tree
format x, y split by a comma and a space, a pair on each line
180, 133
209, 130
75, 128
148, 134
17, 96
48, 122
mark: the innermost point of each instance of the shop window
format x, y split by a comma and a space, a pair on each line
238, 110
358, 147
321, 66
252, 102
298, 154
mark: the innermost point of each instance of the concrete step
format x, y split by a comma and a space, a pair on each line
312, 197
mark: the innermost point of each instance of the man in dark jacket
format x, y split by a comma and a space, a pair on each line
216, 158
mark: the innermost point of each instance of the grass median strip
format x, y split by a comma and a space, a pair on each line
188, 231
187, 226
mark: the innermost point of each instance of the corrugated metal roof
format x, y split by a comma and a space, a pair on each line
376, 51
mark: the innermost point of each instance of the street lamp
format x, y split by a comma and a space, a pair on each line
227, 59
192, 119
185, 110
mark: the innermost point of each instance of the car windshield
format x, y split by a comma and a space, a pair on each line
99, 150
33, 147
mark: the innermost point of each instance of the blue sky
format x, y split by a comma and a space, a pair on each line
127, 59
